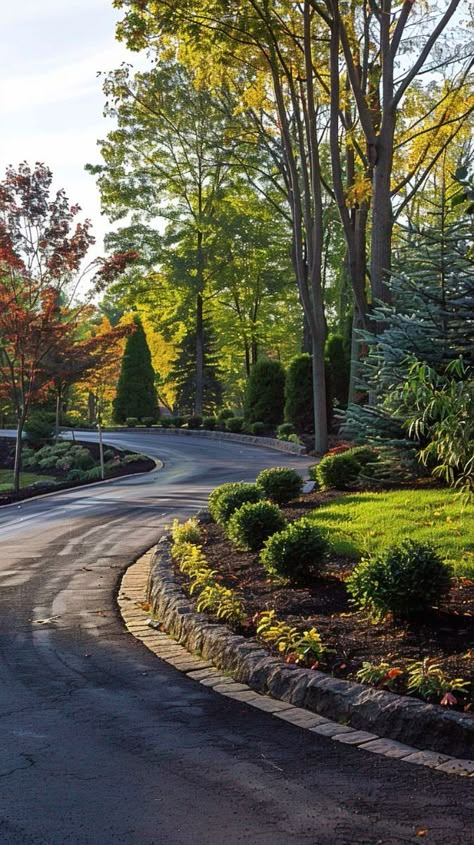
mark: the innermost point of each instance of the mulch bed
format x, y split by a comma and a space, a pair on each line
446, 634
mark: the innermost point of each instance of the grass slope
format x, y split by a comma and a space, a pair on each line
364, 523
26, 478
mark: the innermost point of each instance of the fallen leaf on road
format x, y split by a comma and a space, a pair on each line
422, 832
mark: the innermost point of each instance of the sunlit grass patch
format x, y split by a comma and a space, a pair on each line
365, 523
26, 478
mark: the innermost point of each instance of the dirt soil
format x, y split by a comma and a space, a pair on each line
446, 633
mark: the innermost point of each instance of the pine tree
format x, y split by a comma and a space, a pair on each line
184, 375
136, 393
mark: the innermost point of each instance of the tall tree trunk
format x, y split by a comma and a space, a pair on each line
91, 407
18, 444
382, 218
319, 393
199, 356
355, 364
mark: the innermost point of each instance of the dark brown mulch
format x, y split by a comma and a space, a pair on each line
447, 633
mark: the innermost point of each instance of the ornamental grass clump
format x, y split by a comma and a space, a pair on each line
253, 523
227, 498
295, 553
404, 580
280, 484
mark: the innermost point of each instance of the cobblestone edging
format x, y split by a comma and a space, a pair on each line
249, 439
382, 714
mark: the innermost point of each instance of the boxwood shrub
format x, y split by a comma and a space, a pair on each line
280, 484
253, 523
224, 500
234, 424
295, 553
340, 471
404, 580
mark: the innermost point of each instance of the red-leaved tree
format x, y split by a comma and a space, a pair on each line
42, 250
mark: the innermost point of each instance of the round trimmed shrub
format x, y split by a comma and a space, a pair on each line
363, 454
234, 424
227, 498
257, 428
264, 395
404, 580
194, 421
253, 523
178, 421
340, 471
166, 422
209, 423
280, 484
295, 553
225, 414
148, 421
131, 422
284, 430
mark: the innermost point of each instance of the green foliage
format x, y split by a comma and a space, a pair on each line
148, 421
264, 394
403, 580
136, 394
284, 431
337, 371
252, 523
221, 602
225, 414
257, 428
304, 647
186, 532
378, 674
131, 422
439, 408
235, 424
280, 484
299, 394
194, 421
296, 552
209, 423
135, 458
340, 471
427, 679
224, 500
38, 428
184, 374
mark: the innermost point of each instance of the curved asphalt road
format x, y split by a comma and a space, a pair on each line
103, 744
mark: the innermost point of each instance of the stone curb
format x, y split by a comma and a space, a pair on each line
250, 440
383, 714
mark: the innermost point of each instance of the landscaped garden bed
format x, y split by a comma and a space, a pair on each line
59, 466
311, 620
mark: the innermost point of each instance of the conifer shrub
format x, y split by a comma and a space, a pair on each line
224, 500
295, 553
280, 484
136, 394
339, 471
404, 580
252, 524
235, 424
264, 395
299, 394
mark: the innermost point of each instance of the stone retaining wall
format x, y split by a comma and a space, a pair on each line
402, 718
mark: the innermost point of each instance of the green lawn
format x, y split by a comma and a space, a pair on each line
363, 523
26, 478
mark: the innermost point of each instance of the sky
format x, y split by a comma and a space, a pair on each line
51, 99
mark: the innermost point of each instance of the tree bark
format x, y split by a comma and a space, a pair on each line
199, 356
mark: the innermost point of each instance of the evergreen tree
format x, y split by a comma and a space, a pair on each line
265, 393
299, 394
184, 375
136, 393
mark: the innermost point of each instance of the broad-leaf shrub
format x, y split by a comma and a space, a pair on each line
253, 523
131, 422
148, 421
404, 580
280, 484
209, 423
339, 471
224, 500
225, 414
257, 428
194, 421
284, 430
296, 552
235, 424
